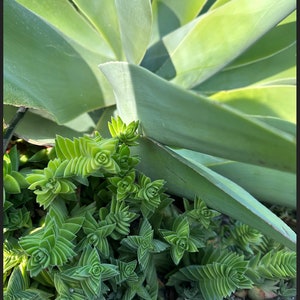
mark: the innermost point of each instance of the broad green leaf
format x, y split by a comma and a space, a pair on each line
199, 52
280, 124
185, 11
135, 19
168, 15
267, 185
218, 3
274, 41
104, 18
62, 15
47, 129
274, 70
181, 118
43, 71
277, 101
186, 179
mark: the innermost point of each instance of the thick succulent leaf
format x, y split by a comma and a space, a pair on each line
39, 74
57, 211
278, 265
168, 15
108, 271
72, 23
216, 3
215, 280
146, 228
85, 155
132, 242
126, 270
31, 242
222, 273
275, 101
280, 124
18, 281
44, 134
30, 294
201, 54
180, 118
63, 290
54, 241
277, 69
12, 159
274, 41
265, 184
159, 246
18, 287
187, 180
135, 19
11, 185
11, 257
182, 227
103, 17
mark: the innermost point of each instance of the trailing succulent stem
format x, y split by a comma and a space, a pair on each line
107, 231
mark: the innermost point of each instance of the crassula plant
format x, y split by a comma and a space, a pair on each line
81, 222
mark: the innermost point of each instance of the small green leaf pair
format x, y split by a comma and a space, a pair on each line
51, 245
87, 276
144, 244
219, 273
125, 133
48, 184
18, 286
96, 234
13, 181
180, 239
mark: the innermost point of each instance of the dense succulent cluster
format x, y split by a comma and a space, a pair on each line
107, 231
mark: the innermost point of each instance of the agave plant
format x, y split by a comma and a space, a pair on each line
212, 84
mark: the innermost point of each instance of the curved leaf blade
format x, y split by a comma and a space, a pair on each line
267, 185
45, 133
187, 180
168, 15
44, 71
277, 69
271, 100
72, 23
176, 117
102, 15
204, 51
274, 41
135, 19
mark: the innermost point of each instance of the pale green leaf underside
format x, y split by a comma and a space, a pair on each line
187, 180
180, 118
